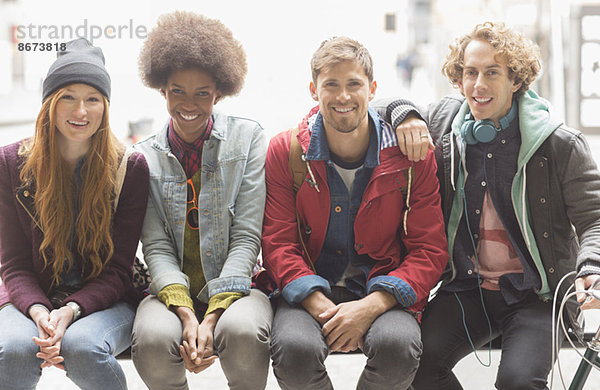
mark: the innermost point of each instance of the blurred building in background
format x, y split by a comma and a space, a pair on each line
407, 38
568, 33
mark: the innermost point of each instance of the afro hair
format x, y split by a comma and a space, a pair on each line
183, 40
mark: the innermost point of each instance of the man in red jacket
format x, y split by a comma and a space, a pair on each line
355, 252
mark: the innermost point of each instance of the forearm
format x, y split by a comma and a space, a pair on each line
186, 315
317, 303
36, 312
378, 302
210, 320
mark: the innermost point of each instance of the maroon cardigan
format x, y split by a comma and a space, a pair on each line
25, 280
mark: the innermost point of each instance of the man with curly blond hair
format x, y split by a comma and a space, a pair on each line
201, 233
521, 200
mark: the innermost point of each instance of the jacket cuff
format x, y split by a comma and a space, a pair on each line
588, 268
239, 284
222, 301
160, 281
398, 110
176, 295
402, 291
297, 290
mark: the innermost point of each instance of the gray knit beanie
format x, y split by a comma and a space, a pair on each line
80, 62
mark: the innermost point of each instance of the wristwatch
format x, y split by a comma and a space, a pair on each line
76, 310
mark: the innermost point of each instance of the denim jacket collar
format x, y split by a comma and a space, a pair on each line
219, 127
318, 149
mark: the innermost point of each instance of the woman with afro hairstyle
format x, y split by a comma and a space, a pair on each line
201, 234
72, 206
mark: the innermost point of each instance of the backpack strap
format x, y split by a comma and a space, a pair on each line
296, 163
121, 171
299, 169
141, 274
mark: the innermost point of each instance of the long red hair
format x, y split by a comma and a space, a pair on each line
46, 170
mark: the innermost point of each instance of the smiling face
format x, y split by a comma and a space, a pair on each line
79, 113
191, 95
343, 91
486, 83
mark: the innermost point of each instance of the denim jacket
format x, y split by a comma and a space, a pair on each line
231, 207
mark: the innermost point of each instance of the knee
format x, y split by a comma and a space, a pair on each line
79, 348
19, 367
290, 346
241, 343
154, 349
147, 341
298, 361
19, 351
519, 379
391, 350
431, 366
243, 348
17, 345
233, 332
289, 349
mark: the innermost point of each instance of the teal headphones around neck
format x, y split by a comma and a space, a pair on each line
484, 130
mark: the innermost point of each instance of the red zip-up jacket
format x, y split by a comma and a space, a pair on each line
416, 253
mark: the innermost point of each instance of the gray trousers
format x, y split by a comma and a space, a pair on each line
241, 339
392, 346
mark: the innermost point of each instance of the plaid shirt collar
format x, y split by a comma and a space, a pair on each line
188, 154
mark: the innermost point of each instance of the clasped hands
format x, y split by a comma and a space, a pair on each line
345, 325
51, 329
196, 349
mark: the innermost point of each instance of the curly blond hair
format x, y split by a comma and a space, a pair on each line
522, 56
184, 40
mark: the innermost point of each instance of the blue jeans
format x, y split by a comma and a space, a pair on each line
89, 347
